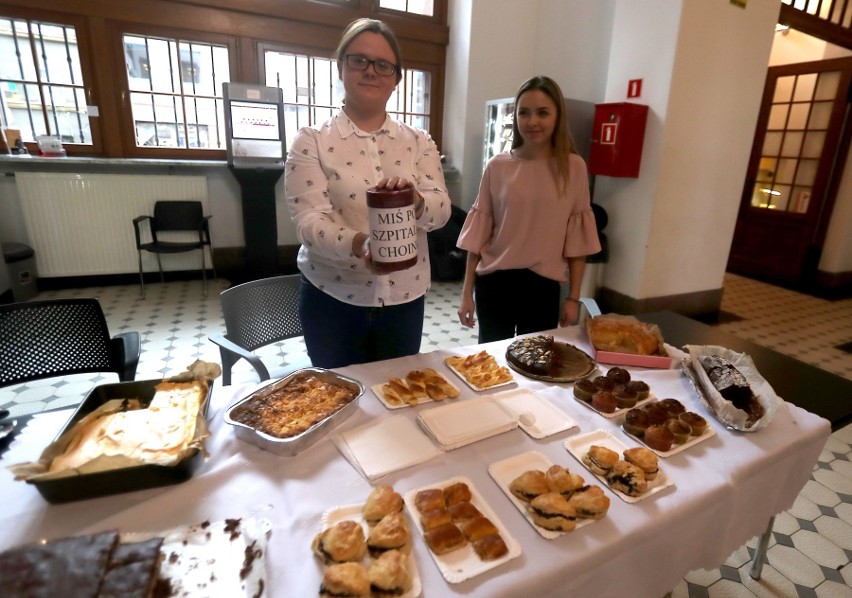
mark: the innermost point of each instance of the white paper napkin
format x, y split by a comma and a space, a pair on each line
385, 446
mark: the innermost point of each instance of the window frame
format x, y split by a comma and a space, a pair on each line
127, 125
90, 82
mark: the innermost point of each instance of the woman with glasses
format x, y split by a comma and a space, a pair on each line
531, 220
350, 312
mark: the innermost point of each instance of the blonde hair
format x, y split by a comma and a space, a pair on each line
561, 141
359, 26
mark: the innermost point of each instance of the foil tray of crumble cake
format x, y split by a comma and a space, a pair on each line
543, 358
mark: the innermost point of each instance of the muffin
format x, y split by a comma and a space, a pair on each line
641, 389
635, 422
618, 375
603, 383
584, 389
657, 414
624, 397
604, 401
673, 406
695, 421
680, 429
659, 437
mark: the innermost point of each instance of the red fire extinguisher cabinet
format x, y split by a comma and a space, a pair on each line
617, 139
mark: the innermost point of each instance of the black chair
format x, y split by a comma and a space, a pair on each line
58, 337
174, 216
257, 313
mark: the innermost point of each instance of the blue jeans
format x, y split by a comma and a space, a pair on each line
338, 334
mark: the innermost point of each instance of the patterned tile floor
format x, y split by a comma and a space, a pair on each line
811, 545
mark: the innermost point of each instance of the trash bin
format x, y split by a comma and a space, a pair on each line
20, 262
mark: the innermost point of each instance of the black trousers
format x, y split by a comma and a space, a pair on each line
511, 302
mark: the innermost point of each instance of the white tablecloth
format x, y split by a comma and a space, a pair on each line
725, 490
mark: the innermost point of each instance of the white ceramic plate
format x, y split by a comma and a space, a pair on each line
460, 423
377, 390
537, 416
617, 412
223, 547
355, 513
462, 564
474, 386
579, 446
503, 472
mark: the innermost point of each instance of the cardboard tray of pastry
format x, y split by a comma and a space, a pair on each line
459, 558
579, 447
397, 573
624, 340
751, 414
124, 437
480, 371
418, 386
685, 436
505, 472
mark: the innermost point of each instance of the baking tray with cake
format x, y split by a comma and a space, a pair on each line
666, 427
623, 340
100, 476
461, 530
731, 387
613, 393
288, 415
507, 471
480, 371
542, 358
404, 581
626, 479
416, 387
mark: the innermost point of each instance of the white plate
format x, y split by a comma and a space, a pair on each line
579, 446
474, 386
355, 513
503, 472
709, 432
537, 416
223, 547
462, 564
617, 412
458, 424
377, 390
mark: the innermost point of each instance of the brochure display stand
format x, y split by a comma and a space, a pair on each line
254, 121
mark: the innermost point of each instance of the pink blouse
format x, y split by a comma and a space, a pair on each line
519, 219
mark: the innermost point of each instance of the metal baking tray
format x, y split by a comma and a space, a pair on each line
289, 447
117, 481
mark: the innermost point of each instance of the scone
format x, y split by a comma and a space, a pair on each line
627, 478
478, 528
590, 503
458, 492
432, 498
345, 579
552, 511
389, 575
383, 500
462, 512
391, 533
560, 480
490, 547
600, 459
529, 484
343, 541
434, 518
444, 539
644, 459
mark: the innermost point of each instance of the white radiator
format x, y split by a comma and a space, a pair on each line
82, 224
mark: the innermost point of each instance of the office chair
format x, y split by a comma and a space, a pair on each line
170, 216
257, 313
58, 337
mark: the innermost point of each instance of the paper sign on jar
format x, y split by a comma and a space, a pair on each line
393, 228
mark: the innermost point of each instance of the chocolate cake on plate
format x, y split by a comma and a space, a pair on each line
543, 357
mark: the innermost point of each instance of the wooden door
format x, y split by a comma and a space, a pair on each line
789, 190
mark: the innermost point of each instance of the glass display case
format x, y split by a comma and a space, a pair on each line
498, 127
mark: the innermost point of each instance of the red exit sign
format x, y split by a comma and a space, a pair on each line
634, 88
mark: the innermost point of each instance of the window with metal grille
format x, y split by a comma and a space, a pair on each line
418, 7
176, 91
313, 91
42, 91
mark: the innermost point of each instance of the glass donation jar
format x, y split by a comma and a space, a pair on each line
393, 228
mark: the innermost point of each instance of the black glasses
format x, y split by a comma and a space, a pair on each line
361, 63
